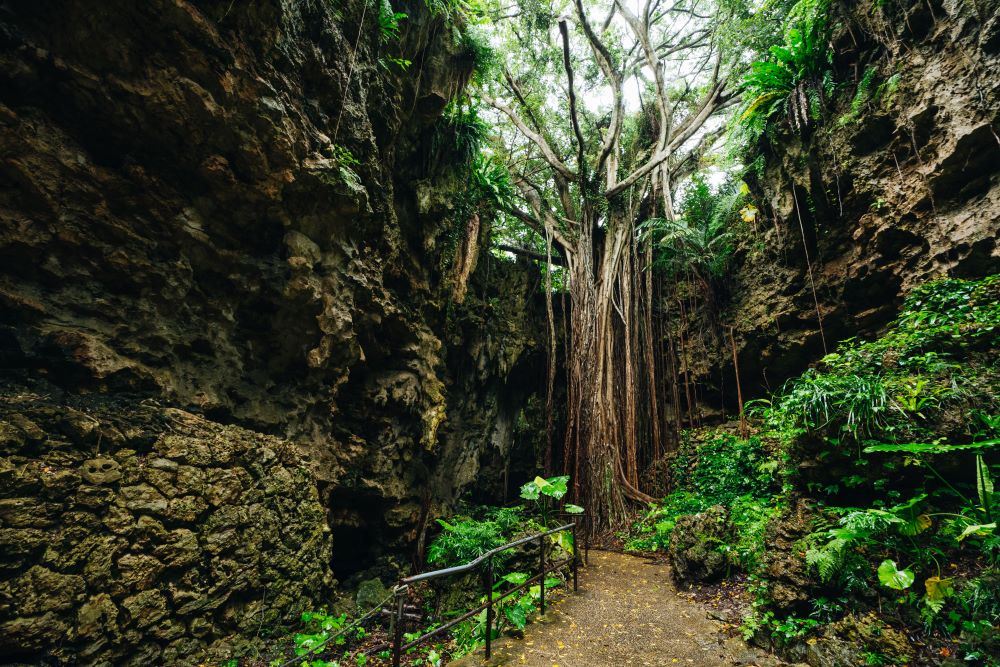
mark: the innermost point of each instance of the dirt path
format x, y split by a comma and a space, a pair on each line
627, 613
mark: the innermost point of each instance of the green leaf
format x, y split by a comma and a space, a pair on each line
929, 447
938, 588
572, 509
893, 578
554, 487
977, 529
984, 486
530, 490
516, 578
516, 615
564, 540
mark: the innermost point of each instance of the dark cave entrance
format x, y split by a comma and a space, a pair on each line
355, 550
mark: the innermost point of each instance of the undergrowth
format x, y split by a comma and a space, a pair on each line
894, 442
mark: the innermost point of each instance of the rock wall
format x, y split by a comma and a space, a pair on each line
233, 210
148, 535
906, 189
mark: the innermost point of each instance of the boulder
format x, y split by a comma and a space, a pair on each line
695, 546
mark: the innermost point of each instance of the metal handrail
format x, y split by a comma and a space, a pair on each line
396, 631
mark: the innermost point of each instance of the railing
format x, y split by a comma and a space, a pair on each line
399, 612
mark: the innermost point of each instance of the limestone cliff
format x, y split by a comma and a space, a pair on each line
229, 208
898, 183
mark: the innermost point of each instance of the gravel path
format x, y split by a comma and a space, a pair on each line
627, 613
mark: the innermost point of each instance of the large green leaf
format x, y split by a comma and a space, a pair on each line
977, 529
554, 487
564, 540
516, 615
894, 578
516, 578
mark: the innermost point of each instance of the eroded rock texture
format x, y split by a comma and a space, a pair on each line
175, 225
148, 535
904, 190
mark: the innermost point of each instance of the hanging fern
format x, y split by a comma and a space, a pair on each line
797, 76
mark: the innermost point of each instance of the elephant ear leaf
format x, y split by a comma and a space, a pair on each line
894, 578
937, 588
977, 529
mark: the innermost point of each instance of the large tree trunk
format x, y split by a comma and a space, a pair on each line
600, 443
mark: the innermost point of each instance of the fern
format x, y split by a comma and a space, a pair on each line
388, 21
861, 97
828, 559
797, 73
700, 239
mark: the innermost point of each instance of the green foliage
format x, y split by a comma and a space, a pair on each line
516, 608
853, 404
893, 388
459, 134
725, 467
889, 575
345, 164
545, 493
861, 96
721, 470
320, 627
797, 74
388, 21
467, 538
700, 239
476, 49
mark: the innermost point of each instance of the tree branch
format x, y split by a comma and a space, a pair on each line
532, 136
558, 260
574, 118
603, 57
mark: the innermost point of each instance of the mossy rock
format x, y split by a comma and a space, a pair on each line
694, 546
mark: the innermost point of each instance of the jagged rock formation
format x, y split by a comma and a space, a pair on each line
178, 221
148, 535
906, 189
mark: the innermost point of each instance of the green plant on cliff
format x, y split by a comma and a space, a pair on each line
345, 164
797, 77
717, 469
861, 97
700, 240
896, 388
459, 134
908, 422
388, 20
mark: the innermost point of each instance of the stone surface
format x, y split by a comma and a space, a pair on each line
906, 192
181, 252
694, 546
127, 577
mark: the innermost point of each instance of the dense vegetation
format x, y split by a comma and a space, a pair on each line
890, 446
881, 457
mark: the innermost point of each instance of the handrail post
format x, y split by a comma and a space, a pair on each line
576, 558
586, 540
489, 607
541, 567
397, 629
